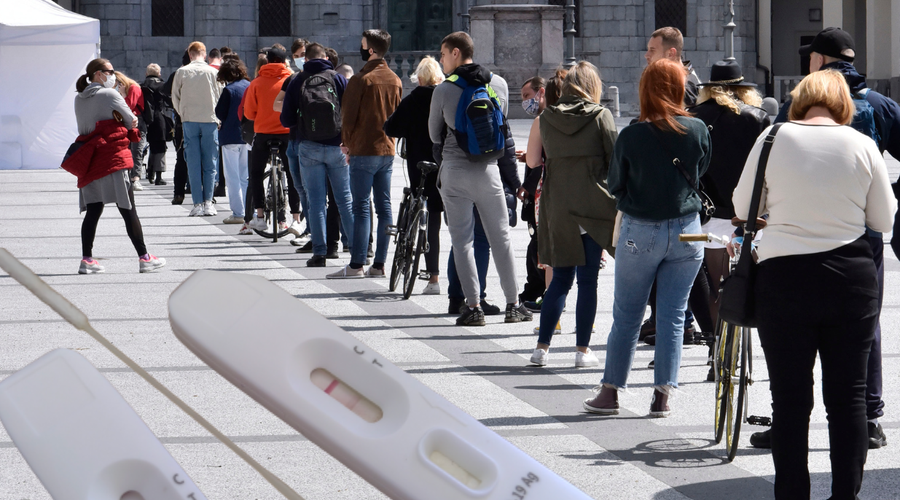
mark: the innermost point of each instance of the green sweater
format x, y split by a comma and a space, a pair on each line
642, 177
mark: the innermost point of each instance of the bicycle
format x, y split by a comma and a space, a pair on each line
411, 233
733, 369
276, 194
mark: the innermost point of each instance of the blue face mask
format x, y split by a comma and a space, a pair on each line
298, 61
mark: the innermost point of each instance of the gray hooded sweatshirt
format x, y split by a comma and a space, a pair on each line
96, 103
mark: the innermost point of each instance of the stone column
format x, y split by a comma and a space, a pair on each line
833, 13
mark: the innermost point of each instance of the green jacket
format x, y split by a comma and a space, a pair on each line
578, 137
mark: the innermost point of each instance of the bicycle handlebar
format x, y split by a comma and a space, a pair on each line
705, 237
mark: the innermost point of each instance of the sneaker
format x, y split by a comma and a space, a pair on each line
648, 328
690, 336
556, 331
471, 317
294, 228
332, 254
136, 185
534, 305
90, 266
233, 219
517, 313
246, 229
160, 182
283, 226
489, 309
456, 306
209, 209
583, 359
761, 439
877, 439
197, 210
605, 403
258, 224
307, 248
374, 272
302, 240
346, 272
151, 263
540, 357
178, 199
659, 405
432, 289
316, 261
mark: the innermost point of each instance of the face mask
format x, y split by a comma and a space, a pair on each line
364, 53
532, 106
110, 81
298, 61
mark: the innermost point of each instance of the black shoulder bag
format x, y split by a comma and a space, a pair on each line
737, 300
708, 207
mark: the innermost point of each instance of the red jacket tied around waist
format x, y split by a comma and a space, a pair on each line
102, 152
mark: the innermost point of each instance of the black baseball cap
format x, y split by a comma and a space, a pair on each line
274, 55
832, 42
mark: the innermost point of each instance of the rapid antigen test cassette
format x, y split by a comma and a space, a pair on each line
82, 439
399, 435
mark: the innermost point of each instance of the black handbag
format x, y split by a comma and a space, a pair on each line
737, 300
708, 208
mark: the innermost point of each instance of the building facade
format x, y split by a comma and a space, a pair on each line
612, 34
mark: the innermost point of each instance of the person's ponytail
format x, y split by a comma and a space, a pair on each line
82, 83
92, 67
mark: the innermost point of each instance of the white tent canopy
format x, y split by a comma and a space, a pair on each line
43, 50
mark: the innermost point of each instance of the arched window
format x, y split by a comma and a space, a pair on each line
167, 17
672, 13
274, 17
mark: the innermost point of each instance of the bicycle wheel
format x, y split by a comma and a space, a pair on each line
409, 245
399, 245
274, 204
738, 389
413, 272
719, 364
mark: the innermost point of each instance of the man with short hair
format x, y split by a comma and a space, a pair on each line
466, 185
668, 43
371, 96
346, 70
195, 93
215, 58
323, 161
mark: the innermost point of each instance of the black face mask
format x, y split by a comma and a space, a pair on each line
364, 53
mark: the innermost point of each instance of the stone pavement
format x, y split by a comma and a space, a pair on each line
485, 371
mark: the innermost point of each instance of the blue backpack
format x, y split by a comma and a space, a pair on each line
481, 128
864, 118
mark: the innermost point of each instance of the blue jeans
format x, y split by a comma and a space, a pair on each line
482, 250
201, 151
293, 156
370, 175
321, 164
586, 307
648, 250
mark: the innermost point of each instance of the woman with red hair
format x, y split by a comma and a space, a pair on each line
658, 203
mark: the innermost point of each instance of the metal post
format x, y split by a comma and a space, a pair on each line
729, 31
465, 17
570, 34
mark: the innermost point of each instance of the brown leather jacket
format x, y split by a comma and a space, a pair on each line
370, 98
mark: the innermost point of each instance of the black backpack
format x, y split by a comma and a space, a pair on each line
320, 107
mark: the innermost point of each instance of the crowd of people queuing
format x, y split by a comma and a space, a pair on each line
589, 188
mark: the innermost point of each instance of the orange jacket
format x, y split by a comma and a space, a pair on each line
260, 96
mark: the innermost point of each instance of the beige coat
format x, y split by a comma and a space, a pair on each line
195, 92
578, 138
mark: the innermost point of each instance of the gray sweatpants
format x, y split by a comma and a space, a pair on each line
462, 186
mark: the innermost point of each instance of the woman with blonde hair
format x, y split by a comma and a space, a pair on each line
658, 204
134, 97
410, 121
577, 212
816, 284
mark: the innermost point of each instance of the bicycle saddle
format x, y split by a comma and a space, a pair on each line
273, 143
427, 167
760, 222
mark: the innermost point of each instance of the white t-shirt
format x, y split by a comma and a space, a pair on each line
824, 185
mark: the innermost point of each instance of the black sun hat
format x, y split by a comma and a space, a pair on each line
727, 73
832, 42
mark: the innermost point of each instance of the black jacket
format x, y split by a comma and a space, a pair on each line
887, 112
410, 121
155, 106
732, 137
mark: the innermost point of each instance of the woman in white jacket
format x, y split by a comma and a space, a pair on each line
816, 287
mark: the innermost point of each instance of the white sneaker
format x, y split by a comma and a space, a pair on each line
197, 210
209, 209
233, 219
347, 272
540, 357
432, 289
90, 266
301, 240
588, 358
245, 230
295, 229
258, 224
152, 263
136, 185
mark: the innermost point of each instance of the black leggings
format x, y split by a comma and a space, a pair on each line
132, 227
433, 256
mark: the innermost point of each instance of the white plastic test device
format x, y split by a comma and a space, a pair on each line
399, 435
82, 439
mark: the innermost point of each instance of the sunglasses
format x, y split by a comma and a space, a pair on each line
107, 71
